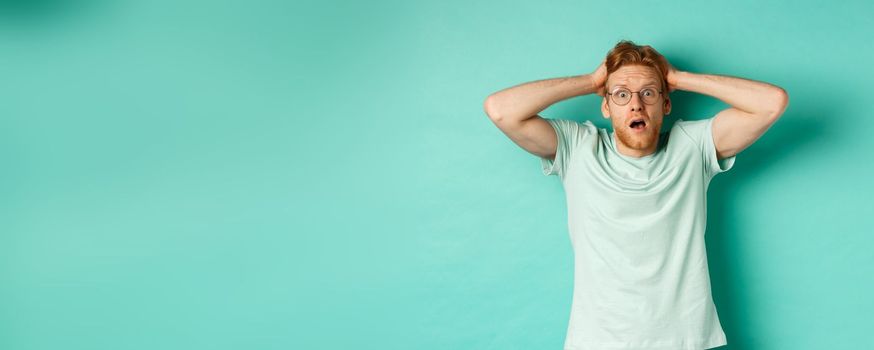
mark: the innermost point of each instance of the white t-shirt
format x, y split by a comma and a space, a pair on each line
637, 225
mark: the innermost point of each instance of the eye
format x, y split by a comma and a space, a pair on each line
648, 92
622, 93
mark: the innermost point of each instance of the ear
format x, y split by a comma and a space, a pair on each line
667, 106
605, 109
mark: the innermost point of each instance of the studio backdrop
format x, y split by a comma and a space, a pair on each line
321, 174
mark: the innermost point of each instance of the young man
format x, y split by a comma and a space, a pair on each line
636, 197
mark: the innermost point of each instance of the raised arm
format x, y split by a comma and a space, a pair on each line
515, 110
755, 106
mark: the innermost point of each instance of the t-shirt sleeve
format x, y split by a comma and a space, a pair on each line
701, 132
568, 134
713, 165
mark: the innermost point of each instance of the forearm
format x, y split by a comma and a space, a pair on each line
524, 101
753, 97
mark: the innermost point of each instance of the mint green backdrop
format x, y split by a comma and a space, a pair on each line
321, 175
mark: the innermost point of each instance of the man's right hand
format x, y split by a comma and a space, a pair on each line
599, 78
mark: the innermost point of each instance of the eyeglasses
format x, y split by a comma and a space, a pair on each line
622, 96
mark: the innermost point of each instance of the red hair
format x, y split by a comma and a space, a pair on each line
628, 53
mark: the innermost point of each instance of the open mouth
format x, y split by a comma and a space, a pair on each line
638, 124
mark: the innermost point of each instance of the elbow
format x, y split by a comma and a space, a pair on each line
779, 104
491, 109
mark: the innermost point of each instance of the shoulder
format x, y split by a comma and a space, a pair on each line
700, 136
692, 130
573, 129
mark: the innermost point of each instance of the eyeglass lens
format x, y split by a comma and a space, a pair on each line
623, 96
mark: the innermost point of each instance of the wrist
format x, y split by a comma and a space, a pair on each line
677, 79
596, 83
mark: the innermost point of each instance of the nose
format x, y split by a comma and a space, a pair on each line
636, 103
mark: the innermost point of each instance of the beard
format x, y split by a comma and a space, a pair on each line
638, 141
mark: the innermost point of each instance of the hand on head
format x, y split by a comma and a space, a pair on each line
599, 78
671, 77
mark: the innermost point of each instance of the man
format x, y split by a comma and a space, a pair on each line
636, 196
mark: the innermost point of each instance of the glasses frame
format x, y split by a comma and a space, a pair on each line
612, 98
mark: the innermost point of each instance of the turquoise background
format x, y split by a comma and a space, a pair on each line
321, 174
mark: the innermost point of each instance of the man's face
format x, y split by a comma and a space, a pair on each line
635, 78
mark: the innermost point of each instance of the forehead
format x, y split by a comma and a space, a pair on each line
633, 76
